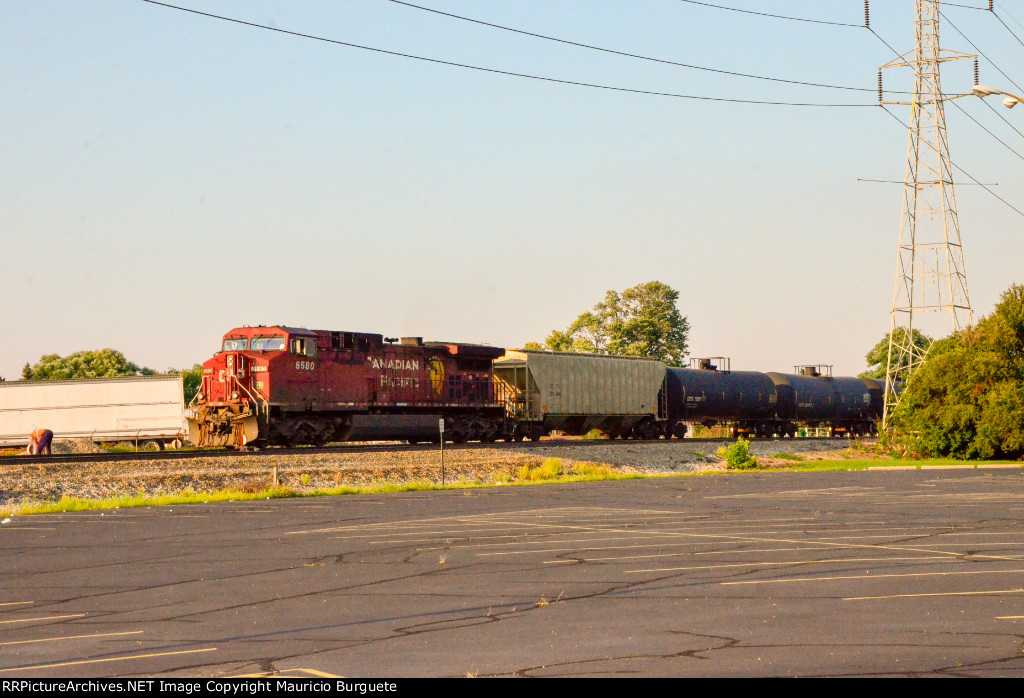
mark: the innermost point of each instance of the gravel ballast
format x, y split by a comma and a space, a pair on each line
33, 482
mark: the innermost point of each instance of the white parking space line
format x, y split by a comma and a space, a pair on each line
827, 490
40, 618
16, 603
838, 578
69, 637
106, 659
581, 548
845, 561
571, 513
694, 553
990, 592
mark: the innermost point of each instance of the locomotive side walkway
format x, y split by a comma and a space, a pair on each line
916, 572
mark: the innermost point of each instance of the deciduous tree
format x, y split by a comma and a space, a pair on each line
102, 363
878, 358
641, 321
967, 399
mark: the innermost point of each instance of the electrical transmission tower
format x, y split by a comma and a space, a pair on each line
930, 275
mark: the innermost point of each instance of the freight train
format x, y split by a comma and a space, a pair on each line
291, 386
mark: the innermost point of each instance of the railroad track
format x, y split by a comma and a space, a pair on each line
181, 454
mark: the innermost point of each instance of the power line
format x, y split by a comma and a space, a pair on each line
496, 71
962, 170
1008, 29
953, 164
966, 7
980, 51
1005, 120
1007, 13
624, 53
765, 14
964, 112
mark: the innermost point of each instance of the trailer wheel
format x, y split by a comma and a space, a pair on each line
151, 445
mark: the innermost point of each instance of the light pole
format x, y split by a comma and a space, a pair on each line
1009, 101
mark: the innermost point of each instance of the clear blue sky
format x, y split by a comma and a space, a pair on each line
167, 176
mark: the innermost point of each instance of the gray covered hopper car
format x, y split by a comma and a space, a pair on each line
574, 393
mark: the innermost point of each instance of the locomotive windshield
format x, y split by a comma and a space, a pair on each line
235, 344
268, 343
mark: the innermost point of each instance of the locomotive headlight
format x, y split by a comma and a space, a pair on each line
234, 396
200, 396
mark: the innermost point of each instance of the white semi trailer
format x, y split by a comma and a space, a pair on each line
143, 411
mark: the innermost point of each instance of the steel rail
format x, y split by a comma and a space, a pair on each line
183, 454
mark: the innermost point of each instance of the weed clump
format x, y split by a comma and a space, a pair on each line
737, 456
595, 470
550, 469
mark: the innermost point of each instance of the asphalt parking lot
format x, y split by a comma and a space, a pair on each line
845, 573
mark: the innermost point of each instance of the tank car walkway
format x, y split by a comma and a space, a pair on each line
859, 573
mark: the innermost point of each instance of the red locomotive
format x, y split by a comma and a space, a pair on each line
291, 386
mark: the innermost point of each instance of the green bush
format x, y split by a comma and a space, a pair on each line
967, 400
737, 456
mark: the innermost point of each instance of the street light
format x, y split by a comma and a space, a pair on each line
1009, 101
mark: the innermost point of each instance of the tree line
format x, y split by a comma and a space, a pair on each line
104, 363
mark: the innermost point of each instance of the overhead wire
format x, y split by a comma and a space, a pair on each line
952, 164
1012, 33
765, 14
1005, 120
980, 52
1005, 11
497, 71
982, 126
625, 53
962, 170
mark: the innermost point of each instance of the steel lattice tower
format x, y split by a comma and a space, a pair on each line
930, 275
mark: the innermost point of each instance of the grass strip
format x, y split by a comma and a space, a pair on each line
864, 464
586, 472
